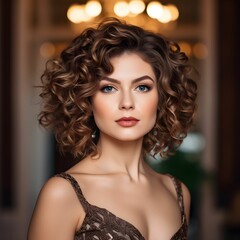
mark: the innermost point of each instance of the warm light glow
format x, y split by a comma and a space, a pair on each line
136, 6
93, 8
154, 9
76, 13
200, 50
174, 11
47, 50
186, 48
121, 9
84, 12
166, 16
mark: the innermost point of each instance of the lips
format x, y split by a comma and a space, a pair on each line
127, 121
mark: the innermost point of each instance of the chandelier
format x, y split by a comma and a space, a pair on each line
164, 14
152, 15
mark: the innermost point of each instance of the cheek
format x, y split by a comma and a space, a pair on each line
101, 108
151, 106
153, 113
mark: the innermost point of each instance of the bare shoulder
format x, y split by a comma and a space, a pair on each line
55, 209
57, 189
56, 195
168, 183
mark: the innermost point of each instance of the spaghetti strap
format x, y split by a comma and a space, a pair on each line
99, 223
178, 187
76, 188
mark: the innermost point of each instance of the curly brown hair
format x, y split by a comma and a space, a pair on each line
69, 82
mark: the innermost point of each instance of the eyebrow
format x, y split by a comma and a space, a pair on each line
133, 81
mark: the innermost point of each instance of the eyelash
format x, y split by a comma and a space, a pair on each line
104, 88
145, 86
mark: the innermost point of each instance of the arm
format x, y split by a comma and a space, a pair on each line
57, 213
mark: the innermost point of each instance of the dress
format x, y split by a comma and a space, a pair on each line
101, 224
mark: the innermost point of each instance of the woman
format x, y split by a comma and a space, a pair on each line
116, 94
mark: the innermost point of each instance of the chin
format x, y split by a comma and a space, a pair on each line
128, 138
125, 136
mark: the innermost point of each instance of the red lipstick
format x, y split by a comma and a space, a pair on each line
127, 121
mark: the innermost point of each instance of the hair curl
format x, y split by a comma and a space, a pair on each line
69, 82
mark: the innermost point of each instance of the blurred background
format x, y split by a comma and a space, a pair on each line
208, 161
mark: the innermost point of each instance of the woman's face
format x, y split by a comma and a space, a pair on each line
125, 106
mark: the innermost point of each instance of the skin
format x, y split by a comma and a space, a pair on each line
118, 179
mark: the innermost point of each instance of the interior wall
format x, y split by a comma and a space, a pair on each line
229, 99
6, 130
228, 178
210, 222
29, 146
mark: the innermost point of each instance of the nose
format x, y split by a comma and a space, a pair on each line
126, 101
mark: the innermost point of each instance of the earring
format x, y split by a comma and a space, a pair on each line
94, 134
155, 132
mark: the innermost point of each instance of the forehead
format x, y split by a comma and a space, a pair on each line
130, 65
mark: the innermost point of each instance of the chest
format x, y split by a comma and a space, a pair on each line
99, 223
154, 215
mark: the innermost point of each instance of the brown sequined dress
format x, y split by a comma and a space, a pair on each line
100, 224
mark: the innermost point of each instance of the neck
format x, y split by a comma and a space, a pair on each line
121, 156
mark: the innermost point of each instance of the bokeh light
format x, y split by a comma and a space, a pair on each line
186, 48
154, 9
136, 6
166, 16
174, 11
93, 8
121, 9
47, 50
200, 50
76, 13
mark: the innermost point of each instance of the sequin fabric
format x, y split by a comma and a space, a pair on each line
101, 224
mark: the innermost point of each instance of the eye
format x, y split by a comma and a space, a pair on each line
107, 89
143, 88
